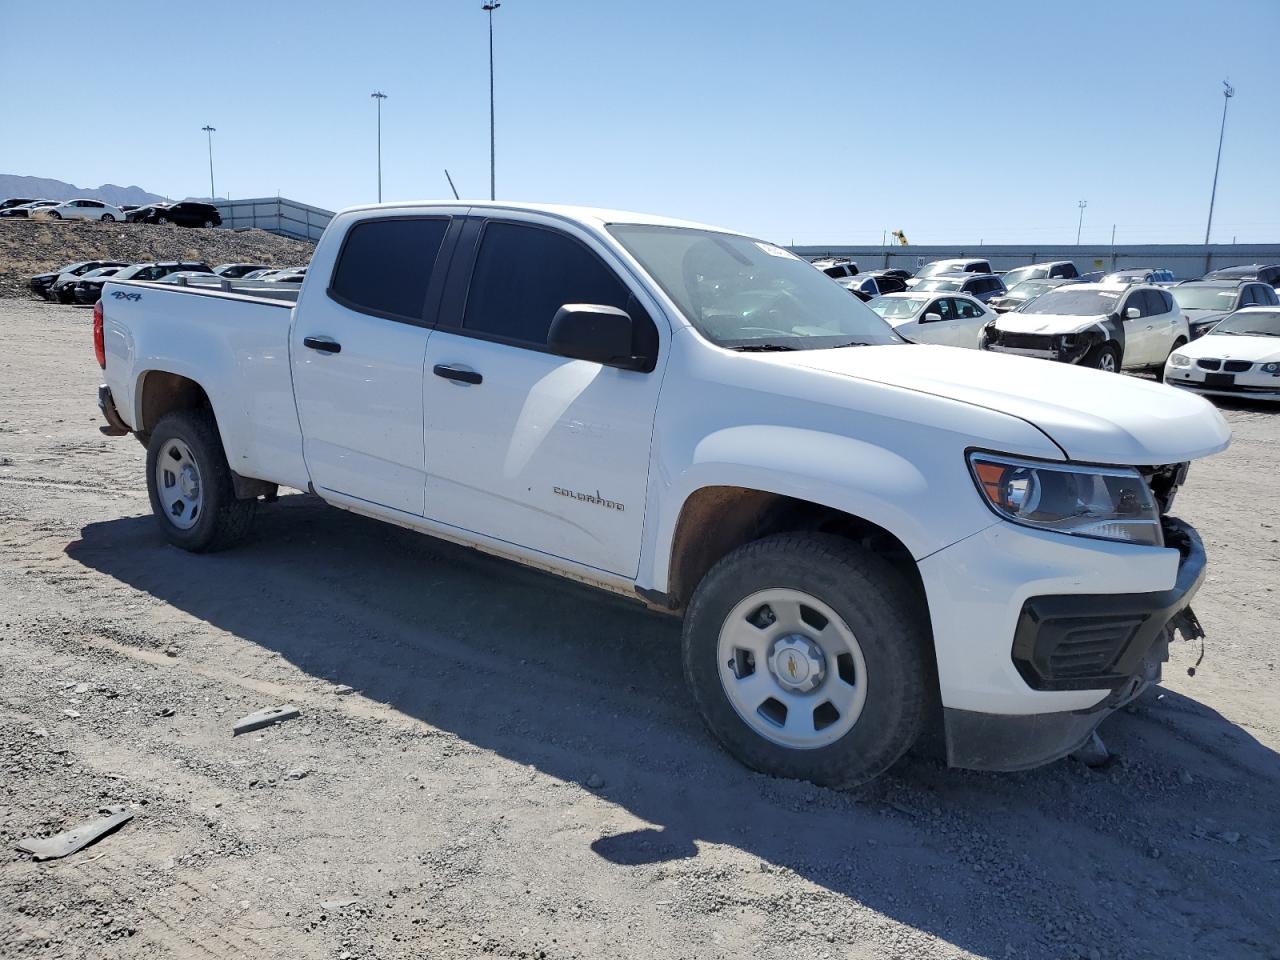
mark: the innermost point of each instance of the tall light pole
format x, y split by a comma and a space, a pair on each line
489, 8
379, 96
209, 131
1081, 204
1228, 92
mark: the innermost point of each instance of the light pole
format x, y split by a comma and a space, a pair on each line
489, 8
379, 96
1081, 204
209, 131
1228, 92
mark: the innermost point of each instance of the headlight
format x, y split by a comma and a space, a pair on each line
1179, 360
1107, 503
1271, 368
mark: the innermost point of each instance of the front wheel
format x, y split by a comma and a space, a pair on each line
1104, 357
54, 215
108, 218
190, 486
208, 224
163, 221
807, 659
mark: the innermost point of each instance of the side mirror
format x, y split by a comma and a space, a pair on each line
601, 334
931, 318
1133, 313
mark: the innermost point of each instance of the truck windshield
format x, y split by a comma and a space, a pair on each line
739, 292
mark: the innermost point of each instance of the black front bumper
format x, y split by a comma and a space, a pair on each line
1115, 642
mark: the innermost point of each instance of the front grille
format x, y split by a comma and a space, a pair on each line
1237, 366
1207, 364
1025, 341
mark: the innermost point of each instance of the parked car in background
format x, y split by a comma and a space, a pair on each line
940, 267
836, 267
288, 275
1205, 302
1020, 293
1051, 270
1109, 326
24, 211
1140, 275
889, 281
42, 283
237, 271
187, 213
16, 202
1240, 357
955, 320
1254, 271
982, 286
863, 287
78, 210
64, 288
90, 290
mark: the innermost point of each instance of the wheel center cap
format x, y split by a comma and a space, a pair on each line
189, 482
797, 663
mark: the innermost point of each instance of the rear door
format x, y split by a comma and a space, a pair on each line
357, 349
524, 445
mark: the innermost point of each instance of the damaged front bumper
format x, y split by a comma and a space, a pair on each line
1081, 642
1065, 348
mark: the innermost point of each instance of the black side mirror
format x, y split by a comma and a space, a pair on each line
591, 331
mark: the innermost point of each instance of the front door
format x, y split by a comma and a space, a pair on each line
523, 445
358, 345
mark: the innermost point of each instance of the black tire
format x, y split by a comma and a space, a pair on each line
163, 221
224, 520
882, 612
54, 215
1159, 371
1105, 356
108, 218
208, 224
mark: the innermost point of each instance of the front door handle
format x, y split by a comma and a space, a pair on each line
458, 376
323, 344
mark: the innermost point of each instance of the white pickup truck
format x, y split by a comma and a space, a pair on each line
867, 538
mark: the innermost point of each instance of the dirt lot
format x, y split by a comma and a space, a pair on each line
520, 773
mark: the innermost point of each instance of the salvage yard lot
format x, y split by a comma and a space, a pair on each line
519, 771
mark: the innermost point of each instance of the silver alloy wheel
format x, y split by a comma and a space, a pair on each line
1107, 362
208, 224
108, 218
792, 668
178, 484
162, 220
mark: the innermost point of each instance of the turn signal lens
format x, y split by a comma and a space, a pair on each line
99, 338
1099, 502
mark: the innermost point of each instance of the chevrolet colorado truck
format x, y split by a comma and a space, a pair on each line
866, 538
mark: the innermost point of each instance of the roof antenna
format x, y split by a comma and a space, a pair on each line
451, 186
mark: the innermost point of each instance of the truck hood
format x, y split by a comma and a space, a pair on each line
1094, 417
1049, 324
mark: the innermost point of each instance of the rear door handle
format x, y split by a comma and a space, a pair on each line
458, 376
323, 344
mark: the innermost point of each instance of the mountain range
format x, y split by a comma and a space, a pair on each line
40, 188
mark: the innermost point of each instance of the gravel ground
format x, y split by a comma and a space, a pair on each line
28, 247
518, 771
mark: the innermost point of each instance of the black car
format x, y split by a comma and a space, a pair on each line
16, 202
23, 210
41, 284
1254, 271
889, 281
187, 213
1206, 302
64, 288
90, 291
234, 271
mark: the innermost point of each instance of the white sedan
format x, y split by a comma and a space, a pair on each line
79, 210
949, 319
1240, 357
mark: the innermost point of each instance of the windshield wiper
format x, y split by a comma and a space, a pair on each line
851, 343
761, 347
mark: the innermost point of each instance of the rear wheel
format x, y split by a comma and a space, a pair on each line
806, 659
164, 221
54, 215
208, 224
1103, 357
190, 485
108, 218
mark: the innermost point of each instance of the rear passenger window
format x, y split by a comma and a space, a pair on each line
524, 274
385, 266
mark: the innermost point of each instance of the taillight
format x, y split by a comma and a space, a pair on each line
99, 339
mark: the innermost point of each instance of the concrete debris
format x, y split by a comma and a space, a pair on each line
77, 838
73, 714
297, 773
595, 781
265, 718
342, 689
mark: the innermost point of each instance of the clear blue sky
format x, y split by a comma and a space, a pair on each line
812, 122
